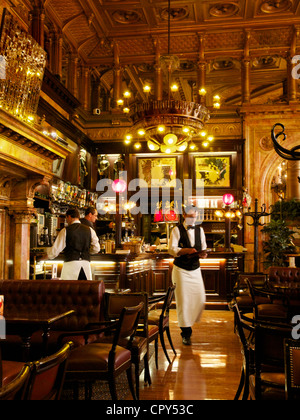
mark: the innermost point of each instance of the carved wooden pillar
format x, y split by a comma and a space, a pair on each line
37, 25
292, 82
95, 97
21, 242
49, 47
293, 180
246, 63
2, 242
73, 76
57, 55
84, 91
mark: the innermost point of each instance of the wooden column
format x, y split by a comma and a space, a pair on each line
57, 55
37, 25
21, 243
73, 76
85, 88
3, 230
95, 94
246, 62
293, 180
292, 82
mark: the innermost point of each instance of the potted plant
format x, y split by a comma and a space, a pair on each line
286, 210
279, 243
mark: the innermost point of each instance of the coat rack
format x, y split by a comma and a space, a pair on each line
256, 216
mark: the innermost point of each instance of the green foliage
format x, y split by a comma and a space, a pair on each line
286, 210
279, 243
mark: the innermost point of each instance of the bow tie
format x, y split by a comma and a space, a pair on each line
191, 227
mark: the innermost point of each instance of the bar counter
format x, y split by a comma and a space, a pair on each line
151, 272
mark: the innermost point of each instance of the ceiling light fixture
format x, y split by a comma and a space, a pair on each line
167, 124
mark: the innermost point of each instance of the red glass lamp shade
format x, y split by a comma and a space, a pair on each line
158, 217
119, 186
228, 199
172, 216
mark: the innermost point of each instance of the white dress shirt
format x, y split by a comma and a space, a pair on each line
72, 269
60, 243
175, 238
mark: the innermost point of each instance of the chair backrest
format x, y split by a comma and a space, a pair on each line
16, 389
257, 280
269, 351
47, 376
240, 328
292, 369
127, 325
167, 302
116, 302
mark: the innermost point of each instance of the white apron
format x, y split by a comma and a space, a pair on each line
71, 270
190, 296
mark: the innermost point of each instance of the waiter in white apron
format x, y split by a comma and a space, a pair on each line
188, 245
78, 242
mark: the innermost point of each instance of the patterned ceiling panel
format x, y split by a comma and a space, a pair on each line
136, 27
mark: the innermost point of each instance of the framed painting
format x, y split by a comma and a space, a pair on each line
158, 171
213, 171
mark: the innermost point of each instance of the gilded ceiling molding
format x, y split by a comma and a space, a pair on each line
276, 6
222, 10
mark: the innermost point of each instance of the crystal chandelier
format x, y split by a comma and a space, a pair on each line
168, 125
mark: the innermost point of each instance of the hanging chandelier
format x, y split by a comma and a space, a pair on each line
168, 125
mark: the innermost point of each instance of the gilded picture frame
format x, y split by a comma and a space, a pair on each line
213, 171
158, 172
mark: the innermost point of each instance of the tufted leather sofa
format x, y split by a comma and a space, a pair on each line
84, 297
284, 275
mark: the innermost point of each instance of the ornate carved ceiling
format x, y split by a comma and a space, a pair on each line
98, 29
101, 30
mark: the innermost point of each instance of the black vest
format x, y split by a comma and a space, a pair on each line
78, 242
185, 262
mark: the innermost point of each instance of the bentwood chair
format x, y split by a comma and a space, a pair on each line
47, 376
268, 381
274, 309
292, 369
145, 333
106, 361
162, 320
247, 352
242, 295
17, 387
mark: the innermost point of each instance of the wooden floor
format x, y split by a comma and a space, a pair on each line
208, 370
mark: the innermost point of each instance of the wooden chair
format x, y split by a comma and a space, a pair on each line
247, 353
242, 295
292, 369
106, 361
145, 333
47, 376
268, 381
274, 309
162, 320
16, 389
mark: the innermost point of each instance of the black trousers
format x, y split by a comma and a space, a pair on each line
186, 332
82, 275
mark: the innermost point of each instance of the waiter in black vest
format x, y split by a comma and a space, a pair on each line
78, 242
188, 245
